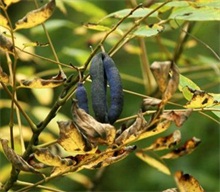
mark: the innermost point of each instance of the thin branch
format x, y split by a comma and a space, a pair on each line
29, 121
136, 24
50, 41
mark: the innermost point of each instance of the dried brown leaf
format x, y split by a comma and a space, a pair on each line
149, 103
187, 183
179, 117
5, 43
108, 158
133, 132
172, 84
95, 132
16, 160
36, 16
188, 147
165, 142
3, 76
72, 140
44, 83
160, 71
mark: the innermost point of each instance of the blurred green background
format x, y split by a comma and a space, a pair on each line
72, 43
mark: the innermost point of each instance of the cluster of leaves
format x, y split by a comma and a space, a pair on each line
84, 142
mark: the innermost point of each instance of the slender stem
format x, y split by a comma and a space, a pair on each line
50, 42
44, 58
39, 186
29, 121
136, 24
146, 72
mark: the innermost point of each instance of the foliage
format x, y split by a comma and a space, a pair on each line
45, 56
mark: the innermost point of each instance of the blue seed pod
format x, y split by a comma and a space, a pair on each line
98, 88
116, 90
81, 97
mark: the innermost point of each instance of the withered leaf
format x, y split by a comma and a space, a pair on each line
165, 142
200, 99
160, 71
188, 147
149, 103
172, 84
179, 117
158, 164
95, 132
16, 160
108, 158
36, 16
159, 128
187, 183
171, 190
45, 156
133, 132
5, 43
43, 83
72, 140
3, 76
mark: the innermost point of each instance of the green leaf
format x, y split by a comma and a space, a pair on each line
97, 27
86, 7
79, 54
53, 25
186, 82
197, 11
148, 31
141, 12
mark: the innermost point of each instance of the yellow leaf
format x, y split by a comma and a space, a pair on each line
161, 127
44, 83
72, 140
44, 96
153, 162
3, 22
36, 16
165, 142
200, 99
97, 27
188, 147
45, 156
9, 2
187, 183
3, 76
